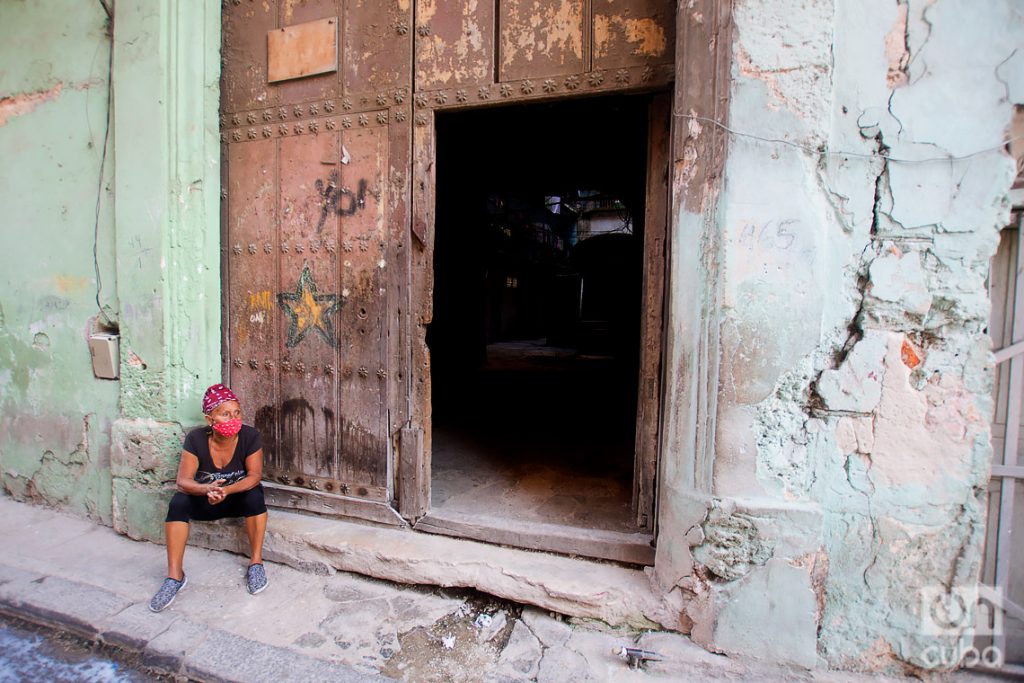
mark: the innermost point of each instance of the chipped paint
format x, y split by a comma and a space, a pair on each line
288, 11
644, 36
456, 49
910, 355
531, 31
19, 105
897, 52
857, 375
55, 417
70, 283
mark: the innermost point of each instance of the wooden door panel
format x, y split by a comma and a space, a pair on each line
315, 269
633, 32
308, 300
454, 44
415, 456
652, 310
541, 38
362, 329
244, 55
251, 291
399, 269
377, 47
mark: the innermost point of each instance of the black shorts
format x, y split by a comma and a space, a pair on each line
184, 507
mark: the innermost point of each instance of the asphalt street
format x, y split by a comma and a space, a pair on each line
32, 653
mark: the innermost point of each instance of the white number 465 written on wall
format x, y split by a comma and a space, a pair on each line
775, 234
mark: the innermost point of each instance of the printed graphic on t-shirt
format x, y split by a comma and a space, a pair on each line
228, 477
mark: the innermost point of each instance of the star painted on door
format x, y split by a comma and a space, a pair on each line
309, 310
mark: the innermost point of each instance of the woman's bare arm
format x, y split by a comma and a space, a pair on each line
186, 481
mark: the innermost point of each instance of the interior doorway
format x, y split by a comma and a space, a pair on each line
537, 330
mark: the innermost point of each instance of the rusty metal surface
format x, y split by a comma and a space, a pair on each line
546, 50
302, 50
644, 78
310, 118
374, 54
542, 38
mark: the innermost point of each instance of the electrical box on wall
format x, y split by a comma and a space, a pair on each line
106, 356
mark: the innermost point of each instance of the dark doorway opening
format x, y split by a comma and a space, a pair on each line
535, 339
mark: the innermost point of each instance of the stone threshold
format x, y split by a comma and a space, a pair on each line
615, 594
628, 547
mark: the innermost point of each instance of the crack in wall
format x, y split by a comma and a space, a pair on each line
876, 539
1003, 81
919, 52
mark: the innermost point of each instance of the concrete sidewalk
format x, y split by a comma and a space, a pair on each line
75, 575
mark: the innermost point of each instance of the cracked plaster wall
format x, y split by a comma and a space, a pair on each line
856, 374
55, 417
66, 438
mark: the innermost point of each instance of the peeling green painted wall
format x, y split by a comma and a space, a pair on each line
55, 417
167, 151
159, 223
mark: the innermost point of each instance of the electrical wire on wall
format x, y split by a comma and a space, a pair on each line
103, 163
825, 151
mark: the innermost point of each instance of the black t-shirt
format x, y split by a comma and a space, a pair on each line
197, 443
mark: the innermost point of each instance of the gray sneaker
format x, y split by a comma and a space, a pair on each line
255, 579
165, 596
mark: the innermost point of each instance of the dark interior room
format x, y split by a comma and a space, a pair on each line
535, 335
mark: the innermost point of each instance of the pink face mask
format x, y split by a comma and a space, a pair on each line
228, 428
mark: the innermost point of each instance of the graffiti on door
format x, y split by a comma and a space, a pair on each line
340, 201
309, 310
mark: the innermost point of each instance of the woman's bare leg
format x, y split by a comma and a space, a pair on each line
256, 527
177, 537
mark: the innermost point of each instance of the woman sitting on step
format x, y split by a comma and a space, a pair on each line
219, 476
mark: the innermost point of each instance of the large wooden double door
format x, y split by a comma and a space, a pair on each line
328, 150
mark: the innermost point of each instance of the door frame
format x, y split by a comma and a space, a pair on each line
414, 476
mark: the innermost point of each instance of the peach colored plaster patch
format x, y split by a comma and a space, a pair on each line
18, 105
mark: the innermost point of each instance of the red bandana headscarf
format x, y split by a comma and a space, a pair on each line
215, 395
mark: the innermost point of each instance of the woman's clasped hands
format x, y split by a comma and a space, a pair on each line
214, 493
